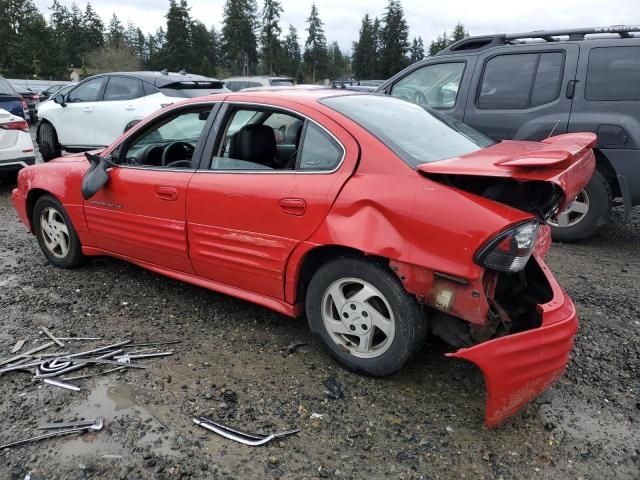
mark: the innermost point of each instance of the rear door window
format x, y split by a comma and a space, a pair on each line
613, 74
517, 81
122, 88
319, 150
434, 85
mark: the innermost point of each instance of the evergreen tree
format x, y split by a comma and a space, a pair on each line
216, 50
270, 35
239, 38
293, 56
115, 36
459, 33
177, 48
338, 61
93, 27
395, 40
315, 51
365, 50
201, 50
155, 44
417, 49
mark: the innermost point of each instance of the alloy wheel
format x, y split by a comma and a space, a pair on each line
358, 317
574, 213
55, 233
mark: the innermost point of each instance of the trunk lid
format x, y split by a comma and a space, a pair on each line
557, 169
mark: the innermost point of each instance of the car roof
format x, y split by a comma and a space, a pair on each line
257, 77
293, 94
163, 78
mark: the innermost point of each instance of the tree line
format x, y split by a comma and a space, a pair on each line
250, 41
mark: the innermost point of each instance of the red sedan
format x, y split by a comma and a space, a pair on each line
380, 220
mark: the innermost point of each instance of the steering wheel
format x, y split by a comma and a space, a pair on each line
169, 150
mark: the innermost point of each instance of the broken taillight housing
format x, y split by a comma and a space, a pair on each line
510, 250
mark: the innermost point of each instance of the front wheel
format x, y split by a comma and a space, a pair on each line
48, 142
364, 316
56, 236
586, 214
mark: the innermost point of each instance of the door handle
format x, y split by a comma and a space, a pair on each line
130, 107
293, 206
87, 109
571, 89
167, 193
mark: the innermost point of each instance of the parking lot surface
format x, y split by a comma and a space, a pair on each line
236, 363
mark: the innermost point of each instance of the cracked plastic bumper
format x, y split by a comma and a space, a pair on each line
519, 367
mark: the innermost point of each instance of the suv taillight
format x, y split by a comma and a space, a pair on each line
18, 125
510, 250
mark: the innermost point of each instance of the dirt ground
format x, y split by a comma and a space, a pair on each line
234, 364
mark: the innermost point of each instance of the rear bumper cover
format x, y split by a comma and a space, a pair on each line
519, 367
20, 204
16, 163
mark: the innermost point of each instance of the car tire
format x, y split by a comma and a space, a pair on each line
597, 200
48, 142
348, 300
56, 235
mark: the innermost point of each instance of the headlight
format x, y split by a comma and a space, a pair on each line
510, 250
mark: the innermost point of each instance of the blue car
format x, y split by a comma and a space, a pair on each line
10, 100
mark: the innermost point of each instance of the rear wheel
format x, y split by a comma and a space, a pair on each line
48, 142
364, 316
56, 236
586, 214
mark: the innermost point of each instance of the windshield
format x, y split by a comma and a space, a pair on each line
6, 88
417, 135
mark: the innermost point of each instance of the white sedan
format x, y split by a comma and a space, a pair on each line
16, 146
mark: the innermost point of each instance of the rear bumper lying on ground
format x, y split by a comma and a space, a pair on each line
519, 367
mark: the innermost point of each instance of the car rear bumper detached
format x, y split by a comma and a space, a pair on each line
519, 367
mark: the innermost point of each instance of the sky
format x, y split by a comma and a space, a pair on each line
426, 19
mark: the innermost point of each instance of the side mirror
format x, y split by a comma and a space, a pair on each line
96, 177
59, 99
130, 125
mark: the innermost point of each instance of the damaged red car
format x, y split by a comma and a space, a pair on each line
384, 222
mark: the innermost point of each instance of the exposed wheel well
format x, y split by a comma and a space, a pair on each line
32, 197
606, 169
319, 256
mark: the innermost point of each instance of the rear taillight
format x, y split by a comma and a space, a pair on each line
17, 125
510, 250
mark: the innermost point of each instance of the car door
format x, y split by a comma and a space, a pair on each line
441, 84
140, 213
245, 218
118, 107
75, 121
523, 93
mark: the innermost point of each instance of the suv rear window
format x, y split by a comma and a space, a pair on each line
191, 89
613, 74
412, 132
281, 82
515, 81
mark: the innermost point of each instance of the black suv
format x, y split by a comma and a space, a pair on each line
529, 86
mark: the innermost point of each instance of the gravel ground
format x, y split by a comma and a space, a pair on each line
234, 364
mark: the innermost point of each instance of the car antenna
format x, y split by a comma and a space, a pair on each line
553, 129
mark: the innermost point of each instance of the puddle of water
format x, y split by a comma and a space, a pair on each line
115, 403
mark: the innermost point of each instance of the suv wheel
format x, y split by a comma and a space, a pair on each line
586, 214
56, 236
364, 316
48, 142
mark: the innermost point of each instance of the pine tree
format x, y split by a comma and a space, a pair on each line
365, 50
155, 44
417, 49
116, 35
338, 61
238, 33
293, 56
93, 27
201, 50
270, 35
315, 51
395, 39
177, 48
459, 33
216, 50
